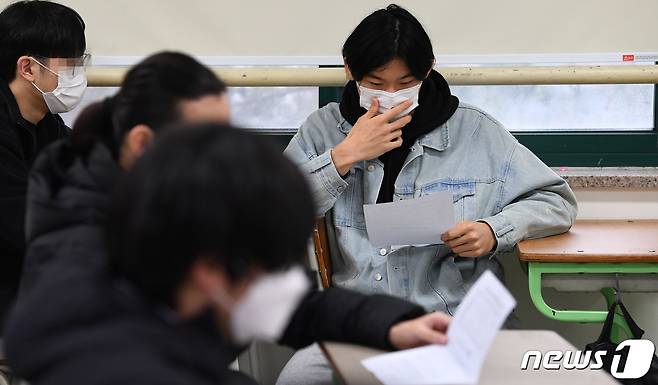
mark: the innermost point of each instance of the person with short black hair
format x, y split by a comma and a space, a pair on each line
42, 52
399, 133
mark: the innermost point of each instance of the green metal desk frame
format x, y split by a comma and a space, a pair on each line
537, 269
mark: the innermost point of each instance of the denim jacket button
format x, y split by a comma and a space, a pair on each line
378, 277
371, 168
383, 252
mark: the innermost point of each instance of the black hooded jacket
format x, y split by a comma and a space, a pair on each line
20, 143
73, 321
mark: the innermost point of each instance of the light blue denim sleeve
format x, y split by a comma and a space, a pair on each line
535, 202
310, 148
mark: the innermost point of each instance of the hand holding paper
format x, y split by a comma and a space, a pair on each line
469, 340
428, 329
410, 221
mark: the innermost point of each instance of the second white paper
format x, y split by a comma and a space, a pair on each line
469, 339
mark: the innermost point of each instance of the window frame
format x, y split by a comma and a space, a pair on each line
577, 148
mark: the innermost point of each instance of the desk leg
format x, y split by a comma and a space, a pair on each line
536, 269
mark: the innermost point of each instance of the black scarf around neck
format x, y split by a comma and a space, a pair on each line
435, 106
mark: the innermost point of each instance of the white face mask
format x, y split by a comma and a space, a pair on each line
265, 310
388, 100
71, 86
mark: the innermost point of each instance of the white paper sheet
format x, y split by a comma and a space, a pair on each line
410, 221
479, 317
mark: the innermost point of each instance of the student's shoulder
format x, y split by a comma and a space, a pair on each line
139, 362
323, 127
323, 117
113, 367
477, 123
475, 114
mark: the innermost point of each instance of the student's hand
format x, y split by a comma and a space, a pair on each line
371, 136
470, 239
428, 329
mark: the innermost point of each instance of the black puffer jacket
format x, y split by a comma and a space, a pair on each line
20, 143
74, 324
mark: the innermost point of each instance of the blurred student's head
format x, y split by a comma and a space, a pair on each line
162, 90
209, 216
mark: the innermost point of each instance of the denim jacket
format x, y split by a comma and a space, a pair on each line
492, 177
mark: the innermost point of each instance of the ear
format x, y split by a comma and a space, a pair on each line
348, 73
24, 68
139, 138
225, 109
136, 141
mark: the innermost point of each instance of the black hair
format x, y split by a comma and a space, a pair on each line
387, 34
39, 28
150, 94
207, 191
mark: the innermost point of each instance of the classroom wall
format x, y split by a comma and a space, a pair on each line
301, 27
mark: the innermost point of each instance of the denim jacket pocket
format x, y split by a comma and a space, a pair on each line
463, 195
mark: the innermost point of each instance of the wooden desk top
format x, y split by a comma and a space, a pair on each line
501, 367
602, 241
